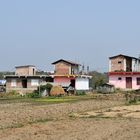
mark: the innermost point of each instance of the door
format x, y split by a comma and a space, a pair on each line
73, 83
24, 83
128, 82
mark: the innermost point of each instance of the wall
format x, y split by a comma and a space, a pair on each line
115, 66
75, 69
135, 65
63, 81
25, 71
113, 79
82, 84
19, 87
62, 68
117, 83
18, 83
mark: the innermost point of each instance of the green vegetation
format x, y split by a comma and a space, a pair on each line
132, 97
46, 100
33, 95
5, 73
46, 87
79, 93
97, 79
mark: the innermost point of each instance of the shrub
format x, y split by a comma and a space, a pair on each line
80, 93
47, 87
12, 93
33, 95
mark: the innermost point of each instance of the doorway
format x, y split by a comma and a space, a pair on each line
129, 82
24, 83
73, 83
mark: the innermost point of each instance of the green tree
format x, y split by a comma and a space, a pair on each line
98, 79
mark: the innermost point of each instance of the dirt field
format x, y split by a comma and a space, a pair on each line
25, 121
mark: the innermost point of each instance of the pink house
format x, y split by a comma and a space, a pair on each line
67, 74
124, 72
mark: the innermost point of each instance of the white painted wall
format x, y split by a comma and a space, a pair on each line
82, 83
135, 65
110, 66
124, 64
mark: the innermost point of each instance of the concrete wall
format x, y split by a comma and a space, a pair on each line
19, 87
113, 79
82, 84
25, 71
63, 81
135, 65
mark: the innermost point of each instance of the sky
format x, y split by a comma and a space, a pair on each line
39, 32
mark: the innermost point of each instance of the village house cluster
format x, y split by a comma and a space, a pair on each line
124, 73
66, 73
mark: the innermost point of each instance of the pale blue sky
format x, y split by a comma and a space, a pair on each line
86, 31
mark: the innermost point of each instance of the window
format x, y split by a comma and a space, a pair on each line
13, 83
34, 82
138, 80
119, 62
119, 78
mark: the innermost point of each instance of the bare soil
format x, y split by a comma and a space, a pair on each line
25, 121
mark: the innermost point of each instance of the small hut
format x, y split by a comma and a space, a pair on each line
106, 88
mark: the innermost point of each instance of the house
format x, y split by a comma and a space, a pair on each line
67, 74
124, 72
25, 80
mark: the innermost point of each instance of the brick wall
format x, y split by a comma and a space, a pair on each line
117, 64
62, 68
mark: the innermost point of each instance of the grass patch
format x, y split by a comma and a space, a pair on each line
46, 100
40, 121
16, 125
55, 100
63, 99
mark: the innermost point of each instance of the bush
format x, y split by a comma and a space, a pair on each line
33, 95
47, 87
80, 93
12, 94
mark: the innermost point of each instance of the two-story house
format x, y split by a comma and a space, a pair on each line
67, 74
25, 80
124, 72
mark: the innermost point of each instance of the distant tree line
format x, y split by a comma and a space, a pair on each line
5, 73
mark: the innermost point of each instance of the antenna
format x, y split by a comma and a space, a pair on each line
87, 69
83, 69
